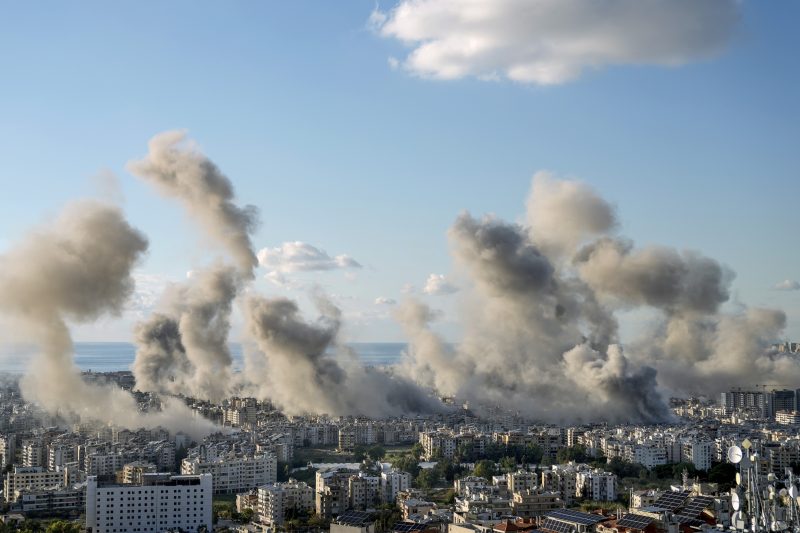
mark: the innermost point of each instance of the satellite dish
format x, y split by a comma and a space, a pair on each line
734, 454
735, 517
783, 493
793, 491
738, 478
735, 503
773, 526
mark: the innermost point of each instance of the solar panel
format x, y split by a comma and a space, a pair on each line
557, 526
688, 520
697, 505
635, 521
407, 527
576, 517
355, 518
669, 501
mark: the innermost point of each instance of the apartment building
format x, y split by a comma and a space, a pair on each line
162, 502
234, 473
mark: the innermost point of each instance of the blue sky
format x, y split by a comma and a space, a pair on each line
297, 102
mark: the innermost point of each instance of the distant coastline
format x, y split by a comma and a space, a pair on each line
116, 356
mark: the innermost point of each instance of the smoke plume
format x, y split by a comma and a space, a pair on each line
541, 333
78, 268
184, 348
178, 169
307, 371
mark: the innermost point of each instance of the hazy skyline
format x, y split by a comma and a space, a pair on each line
361, 147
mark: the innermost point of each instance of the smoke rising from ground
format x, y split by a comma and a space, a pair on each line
78, 268
541, 333
184, 348
540, 307
306, 370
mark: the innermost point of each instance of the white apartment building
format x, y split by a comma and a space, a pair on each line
32, 478
560, 479
787, 418
392, 482
6, 450
105, 464
521, 480
649, 456
596, 485
162, 502
363, 491
275, 499
234, 474
32, 454
699, 453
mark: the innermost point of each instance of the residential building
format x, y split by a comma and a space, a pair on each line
162, 502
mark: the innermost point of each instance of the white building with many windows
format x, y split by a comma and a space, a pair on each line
596, 485
162, 502
234, 474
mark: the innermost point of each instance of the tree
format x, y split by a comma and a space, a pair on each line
283, 471
62, 526
376, 453
574, 453
246, 516
417, 450
531, 454
484, 469
724, 474
407, 463
359, 453
508, 463
427, 478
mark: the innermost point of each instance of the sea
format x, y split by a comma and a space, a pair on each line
117, 356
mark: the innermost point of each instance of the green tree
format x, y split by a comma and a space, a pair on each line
724, 474
246, 516
317, 521
484, 469
417, 450
427, 478
573, 453
376, 453
530, 454
508, 463
359, 453
63, 526
407, 463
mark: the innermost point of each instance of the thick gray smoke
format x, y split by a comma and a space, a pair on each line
307, 372
179, 170
528, 341
184, 349
78, 268
541, 332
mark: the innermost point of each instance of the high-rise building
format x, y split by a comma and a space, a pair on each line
162, 502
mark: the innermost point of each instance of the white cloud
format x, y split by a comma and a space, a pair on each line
408, 288
382, 300
787, 285
147, 292
279, 280
302, 257
438, 285
552, 41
